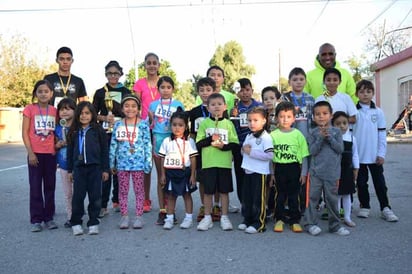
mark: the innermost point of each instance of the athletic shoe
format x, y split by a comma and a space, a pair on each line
278, 226
36, 227
242, 226
77, 230
103, 212
363, 213
124, 222
233, 209
147, 206
225, 223
314, 230
51, 224
161, 218
67, 224
138, 223
116, 207
388, 215
93, 230
342, 231
168, 225
296, 228
349, 223
251, 230
187, 223
205, 224
201, 213
325, 214
216, 213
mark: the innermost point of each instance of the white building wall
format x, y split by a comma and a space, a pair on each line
390, 80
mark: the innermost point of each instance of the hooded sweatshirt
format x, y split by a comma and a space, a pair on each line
314, 81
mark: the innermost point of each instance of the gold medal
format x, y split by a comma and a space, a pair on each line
131, 150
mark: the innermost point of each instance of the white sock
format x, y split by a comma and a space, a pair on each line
347, 204
208, 217
169, 216
189, 216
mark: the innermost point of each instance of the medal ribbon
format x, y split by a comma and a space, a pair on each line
164, 116
202, 108
130, 137
151, 90
82, 138
65, 88
44, 122
182, 154
296, 102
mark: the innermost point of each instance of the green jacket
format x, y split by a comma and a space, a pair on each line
314, 82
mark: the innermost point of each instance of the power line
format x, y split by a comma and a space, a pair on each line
320, 14
379, 15
200, 4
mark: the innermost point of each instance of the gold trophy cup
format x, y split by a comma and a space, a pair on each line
216, 139
108, 101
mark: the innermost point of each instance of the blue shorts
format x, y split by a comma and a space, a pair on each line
178, 181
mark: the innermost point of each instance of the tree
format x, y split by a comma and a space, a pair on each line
18, 73
231, 59
359, 66
382, 42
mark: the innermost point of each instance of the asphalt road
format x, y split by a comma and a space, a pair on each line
374, 246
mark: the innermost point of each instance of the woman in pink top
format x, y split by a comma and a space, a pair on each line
39, 121
146, 89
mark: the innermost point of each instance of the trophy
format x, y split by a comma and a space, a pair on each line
108, 101
63, 123
216, 139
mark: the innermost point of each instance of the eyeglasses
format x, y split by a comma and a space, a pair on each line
112, 74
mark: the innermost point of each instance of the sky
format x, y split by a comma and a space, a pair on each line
187, 33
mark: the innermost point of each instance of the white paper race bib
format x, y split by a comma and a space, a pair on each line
123, 135
223, 134
173, 160
43, 125
197, 123
243, 120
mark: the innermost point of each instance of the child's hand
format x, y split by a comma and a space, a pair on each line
33, 161
70, 175
246, 149
162, 180
302, 179
218, 145
60, 144
355, 174
114, 171
105, 176
192, 181
272, 180
324, 131
380, 161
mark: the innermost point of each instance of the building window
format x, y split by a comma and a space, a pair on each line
405, 93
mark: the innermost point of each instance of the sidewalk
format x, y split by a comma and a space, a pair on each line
400, 138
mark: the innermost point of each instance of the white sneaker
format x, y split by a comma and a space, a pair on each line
388, 215
314, 230
93, 230
77, 230
124, 222
225, 223
186, 223
168, 224
251, 230
242, 227
138, 223
233, 209
205, 224
363, 213
342, 231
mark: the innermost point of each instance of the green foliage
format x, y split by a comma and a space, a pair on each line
359, 67
18, 74
231, 59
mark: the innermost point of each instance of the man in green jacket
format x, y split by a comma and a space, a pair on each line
314, 78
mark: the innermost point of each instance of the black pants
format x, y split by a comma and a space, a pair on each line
86, 180
107, 185
253, 200
378, 182
287, 188
239, 172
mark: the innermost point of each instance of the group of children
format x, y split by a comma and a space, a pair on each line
289, 152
